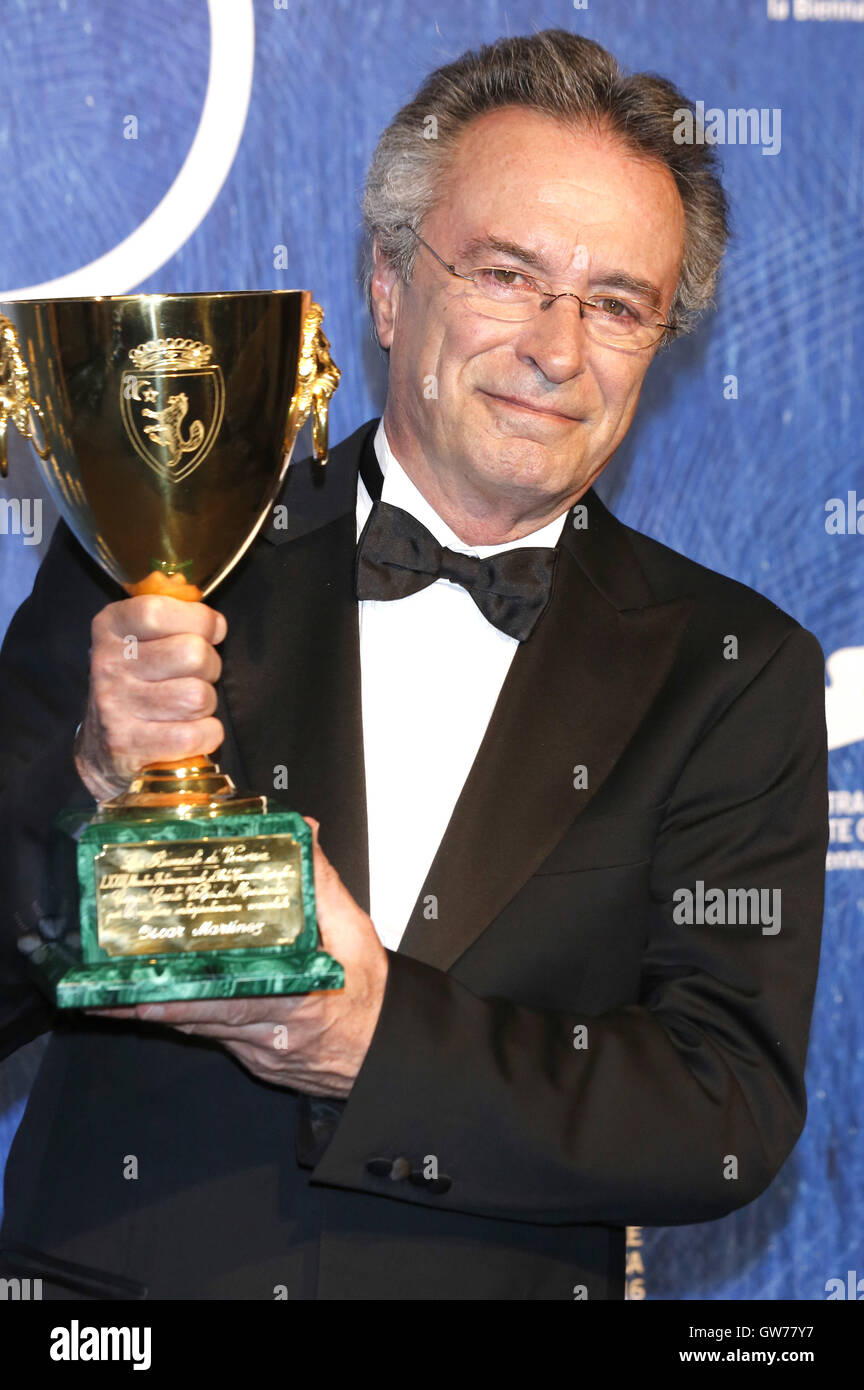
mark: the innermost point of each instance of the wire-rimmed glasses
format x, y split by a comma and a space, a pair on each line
501, 292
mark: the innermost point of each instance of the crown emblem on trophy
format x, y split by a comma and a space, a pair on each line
170, 379
178, 353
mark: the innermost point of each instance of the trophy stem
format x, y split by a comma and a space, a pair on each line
183, 787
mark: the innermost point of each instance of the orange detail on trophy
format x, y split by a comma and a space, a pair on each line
171, 585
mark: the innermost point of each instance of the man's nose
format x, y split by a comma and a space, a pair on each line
555, 339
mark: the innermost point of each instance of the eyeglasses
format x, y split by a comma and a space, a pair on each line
499, 292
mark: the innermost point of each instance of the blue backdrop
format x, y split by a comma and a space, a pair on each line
186, 141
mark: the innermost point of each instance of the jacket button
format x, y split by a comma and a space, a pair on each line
379, 1167
438, 1186
397, 1168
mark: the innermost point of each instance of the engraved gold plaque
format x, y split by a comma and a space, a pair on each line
185, 895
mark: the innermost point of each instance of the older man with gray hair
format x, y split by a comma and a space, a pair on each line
520, 730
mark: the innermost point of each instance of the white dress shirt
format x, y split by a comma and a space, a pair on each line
432, 668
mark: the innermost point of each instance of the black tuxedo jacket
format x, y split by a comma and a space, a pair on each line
556, 1056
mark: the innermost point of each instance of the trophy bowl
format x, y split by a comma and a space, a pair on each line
164, 423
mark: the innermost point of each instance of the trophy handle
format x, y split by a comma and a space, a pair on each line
317, 379
16, 403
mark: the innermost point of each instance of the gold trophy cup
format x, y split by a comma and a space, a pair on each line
163, 426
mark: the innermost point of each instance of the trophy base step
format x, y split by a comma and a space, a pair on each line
188, 788
190, 975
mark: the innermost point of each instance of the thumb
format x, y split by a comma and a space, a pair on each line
347, 932
336, 910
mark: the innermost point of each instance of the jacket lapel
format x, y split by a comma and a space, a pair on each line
575, 693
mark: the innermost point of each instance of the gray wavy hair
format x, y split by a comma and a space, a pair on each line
575, 81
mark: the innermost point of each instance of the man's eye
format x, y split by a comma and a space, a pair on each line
500, 280
617, 308
620, 309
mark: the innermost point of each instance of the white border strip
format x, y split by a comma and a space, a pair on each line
199, 182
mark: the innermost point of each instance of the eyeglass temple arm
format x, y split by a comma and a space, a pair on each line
440, 259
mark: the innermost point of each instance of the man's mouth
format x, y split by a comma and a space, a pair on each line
517, 403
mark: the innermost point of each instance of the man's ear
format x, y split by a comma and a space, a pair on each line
384, 289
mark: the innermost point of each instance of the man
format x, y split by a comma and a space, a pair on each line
571, 786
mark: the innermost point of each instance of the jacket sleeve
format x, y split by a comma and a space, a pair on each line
678, 1108
44, 673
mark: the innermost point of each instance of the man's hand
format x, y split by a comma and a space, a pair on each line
153, 667
311, 1042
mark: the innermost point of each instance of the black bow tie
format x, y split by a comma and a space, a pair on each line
397, 556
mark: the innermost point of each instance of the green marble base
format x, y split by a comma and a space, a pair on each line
144, 944
206, 975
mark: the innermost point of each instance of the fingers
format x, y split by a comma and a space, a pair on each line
153, 668
222, 1018
167, 701
144, 743
162, 658
151, 616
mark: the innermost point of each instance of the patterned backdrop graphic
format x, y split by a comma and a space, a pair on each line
178, 145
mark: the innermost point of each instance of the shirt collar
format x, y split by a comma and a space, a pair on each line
400, 491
